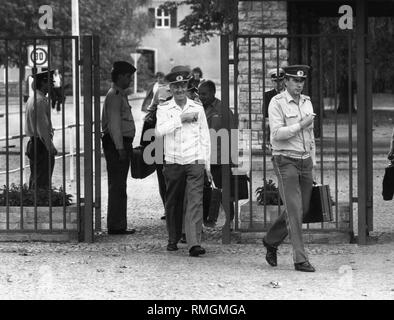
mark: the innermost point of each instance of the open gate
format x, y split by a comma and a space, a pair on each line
45, 214
344, 141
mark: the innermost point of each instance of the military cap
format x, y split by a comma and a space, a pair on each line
41, 76
272, 73
123, 67
178, 74
297, 70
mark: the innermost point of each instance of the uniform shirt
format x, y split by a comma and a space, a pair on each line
287, 137
214, 113
57, 80
44, 129
184, 143
117, 119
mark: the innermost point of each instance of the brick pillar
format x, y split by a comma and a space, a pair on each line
256, 18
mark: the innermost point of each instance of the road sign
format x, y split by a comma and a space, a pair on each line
40, 55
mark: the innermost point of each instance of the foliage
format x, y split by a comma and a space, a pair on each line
207, 19
268, 194
15, 192
119, 23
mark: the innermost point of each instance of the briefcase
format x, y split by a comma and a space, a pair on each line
138, 167
388, 183
243, 187
320, 209
212, 199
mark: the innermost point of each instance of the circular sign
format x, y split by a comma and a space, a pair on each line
40, 56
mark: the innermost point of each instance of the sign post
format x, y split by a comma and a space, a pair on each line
135, 56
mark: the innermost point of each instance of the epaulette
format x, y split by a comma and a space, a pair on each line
279, 96
306, 97
164, 103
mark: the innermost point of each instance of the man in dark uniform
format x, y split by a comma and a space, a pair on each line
119, 130
38, 126
278, 84
214, 111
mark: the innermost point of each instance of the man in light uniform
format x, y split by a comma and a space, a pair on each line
38, 126
293, 149
119, 131
187, 148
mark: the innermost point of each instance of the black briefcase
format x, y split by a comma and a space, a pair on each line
138, 167
212, 198
388, 183
243, 187
320, 209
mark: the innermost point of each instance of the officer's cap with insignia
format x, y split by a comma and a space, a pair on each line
43, 76
122, 67
178, 74
273, 74
297, 71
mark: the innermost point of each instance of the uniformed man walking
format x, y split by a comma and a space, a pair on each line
119, 131
187, 148
38, 126
293, 149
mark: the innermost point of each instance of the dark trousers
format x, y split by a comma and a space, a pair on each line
216, 171
184, 181
41, 164
295, 187
162, 183
117, 171
57, 98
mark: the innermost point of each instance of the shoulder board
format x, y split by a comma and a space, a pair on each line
306, 97
113, 92
197, 102
279, 96
164, 103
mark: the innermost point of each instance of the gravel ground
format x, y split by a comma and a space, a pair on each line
139, 267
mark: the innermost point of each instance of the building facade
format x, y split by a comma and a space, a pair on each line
162, 49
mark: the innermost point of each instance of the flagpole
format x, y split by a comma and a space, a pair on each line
75, 58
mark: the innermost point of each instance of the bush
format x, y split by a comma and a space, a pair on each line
15, 192
271, 193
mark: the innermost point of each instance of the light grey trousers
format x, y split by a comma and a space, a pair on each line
295, 183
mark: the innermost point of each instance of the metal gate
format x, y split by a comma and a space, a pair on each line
66, 210
343, 140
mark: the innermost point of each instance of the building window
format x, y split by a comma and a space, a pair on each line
162, 18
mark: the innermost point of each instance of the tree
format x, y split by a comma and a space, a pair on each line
119, 24
207, 19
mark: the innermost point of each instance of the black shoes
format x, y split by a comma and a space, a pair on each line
304, 267
128, 231
172, 247
271, 256
195, 251
163, 217
183, 238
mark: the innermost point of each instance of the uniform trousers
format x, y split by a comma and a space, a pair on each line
41, 164
162, 183
117, 172
295, 183
184, 181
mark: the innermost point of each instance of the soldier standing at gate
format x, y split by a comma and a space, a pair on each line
38, 126
119, 130
293, 149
